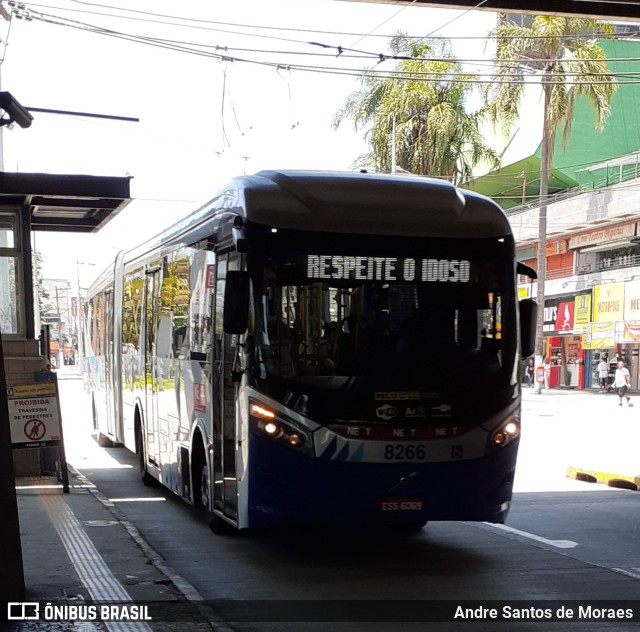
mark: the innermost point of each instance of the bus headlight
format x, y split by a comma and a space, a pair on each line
505, 433
268, 422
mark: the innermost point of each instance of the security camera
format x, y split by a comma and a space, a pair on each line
17, 113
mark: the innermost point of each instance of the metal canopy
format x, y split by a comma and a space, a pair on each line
65, 203
605, 9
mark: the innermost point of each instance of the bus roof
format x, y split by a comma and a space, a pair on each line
340, 202
364, 203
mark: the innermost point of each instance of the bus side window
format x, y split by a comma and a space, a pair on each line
163, 338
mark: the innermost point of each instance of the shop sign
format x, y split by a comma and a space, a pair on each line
550, 315
608, 302
631, 331
602, 236
582, 313
600, 336
572, 349
632, 300
554, 315
564, 317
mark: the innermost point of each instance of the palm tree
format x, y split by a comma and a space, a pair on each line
570, 63
417, 114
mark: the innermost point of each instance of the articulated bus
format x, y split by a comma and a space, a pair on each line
316, 347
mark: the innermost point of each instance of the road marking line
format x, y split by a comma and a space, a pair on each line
626, 573
558, 544
88, 563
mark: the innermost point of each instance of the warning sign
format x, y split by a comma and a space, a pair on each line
31, 390
34, 419
34, 430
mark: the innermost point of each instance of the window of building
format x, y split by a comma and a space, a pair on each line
11, 308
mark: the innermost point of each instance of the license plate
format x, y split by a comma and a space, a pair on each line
402, 504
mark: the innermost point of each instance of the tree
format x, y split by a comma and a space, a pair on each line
423, 104
43, 295
570, 63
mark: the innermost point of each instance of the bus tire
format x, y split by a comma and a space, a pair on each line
200, 478
145, 477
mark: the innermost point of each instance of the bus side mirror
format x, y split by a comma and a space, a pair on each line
236, 302
528, 315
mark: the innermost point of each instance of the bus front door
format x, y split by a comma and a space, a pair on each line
225, 488
152, 298
108, 370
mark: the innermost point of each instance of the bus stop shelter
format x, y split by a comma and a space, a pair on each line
34, 202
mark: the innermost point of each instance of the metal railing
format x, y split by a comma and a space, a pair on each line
613, 263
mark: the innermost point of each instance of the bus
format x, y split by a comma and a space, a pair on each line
319, 347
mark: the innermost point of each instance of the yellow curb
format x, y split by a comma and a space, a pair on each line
604, 478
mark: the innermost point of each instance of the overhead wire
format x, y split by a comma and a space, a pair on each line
174, 18
452, 76
340, 50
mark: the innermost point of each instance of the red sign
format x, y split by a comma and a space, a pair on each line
211, 276
199, 397
564, 318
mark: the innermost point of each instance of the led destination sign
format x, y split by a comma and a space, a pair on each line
388, 269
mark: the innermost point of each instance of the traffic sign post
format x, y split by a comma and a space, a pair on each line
35, 420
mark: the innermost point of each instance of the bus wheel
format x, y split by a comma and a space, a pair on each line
145, 477
204, 486
200, 477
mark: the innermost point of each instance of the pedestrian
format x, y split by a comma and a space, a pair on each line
546, 365
603, 374
529, 372
622, 381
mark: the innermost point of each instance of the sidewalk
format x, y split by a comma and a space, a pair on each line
607, 435
79, 550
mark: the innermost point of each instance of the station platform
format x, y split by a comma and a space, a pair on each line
78, 549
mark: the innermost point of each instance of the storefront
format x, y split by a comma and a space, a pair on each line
614, 331
562, 345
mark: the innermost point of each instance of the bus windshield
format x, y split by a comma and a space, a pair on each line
344, 329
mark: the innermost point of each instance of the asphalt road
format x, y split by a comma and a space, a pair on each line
564, 541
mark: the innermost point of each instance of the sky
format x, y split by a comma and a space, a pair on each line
202, 120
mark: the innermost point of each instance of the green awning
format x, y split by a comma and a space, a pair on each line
519, 182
